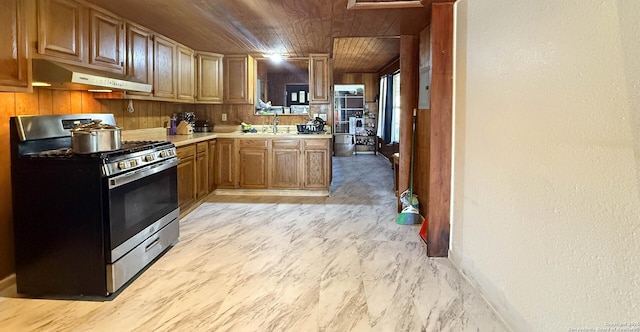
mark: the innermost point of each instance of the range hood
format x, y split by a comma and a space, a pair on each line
69, 77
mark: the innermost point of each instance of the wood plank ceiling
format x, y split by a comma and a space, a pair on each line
294, 28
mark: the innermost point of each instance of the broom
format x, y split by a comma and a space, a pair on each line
410, 215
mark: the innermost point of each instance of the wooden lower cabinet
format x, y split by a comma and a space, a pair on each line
186, 176
264, 163
226, 161
316, 164
285, 164
212, 165
252, 161
202, 169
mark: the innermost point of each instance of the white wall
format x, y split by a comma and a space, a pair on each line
546, 201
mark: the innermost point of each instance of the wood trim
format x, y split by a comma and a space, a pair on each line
441, 129
356, 4
408, 101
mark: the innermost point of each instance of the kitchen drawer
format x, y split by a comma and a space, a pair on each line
186, 151
202, 146
313, 144
253, 143
286, 144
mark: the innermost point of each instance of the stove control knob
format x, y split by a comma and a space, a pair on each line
133, 163
148, 157
123, 165
163, 154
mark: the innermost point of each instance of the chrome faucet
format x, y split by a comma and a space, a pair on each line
275, 122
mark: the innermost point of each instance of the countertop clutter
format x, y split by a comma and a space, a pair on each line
160, 134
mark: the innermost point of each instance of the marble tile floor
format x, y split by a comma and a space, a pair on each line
337, 263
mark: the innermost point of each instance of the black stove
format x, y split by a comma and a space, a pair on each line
86, 224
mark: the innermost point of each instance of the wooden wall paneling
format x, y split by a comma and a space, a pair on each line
61, 102
45, 101
408, 101
90, 104
75, 102
142, 110
26, 103
7, 110
441, 129
131, 120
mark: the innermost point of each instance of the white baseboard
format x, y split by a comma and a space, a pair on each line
503, 309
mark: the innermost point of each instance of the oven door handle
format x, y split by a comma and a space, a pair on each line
141, 173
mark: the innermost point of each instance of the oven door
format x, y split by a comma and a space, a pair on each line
139, 203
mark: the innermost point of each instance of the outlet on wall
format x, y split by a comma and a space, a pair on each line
224, 117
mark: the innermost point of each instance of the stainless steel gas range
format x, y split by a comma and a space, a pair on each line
86, 224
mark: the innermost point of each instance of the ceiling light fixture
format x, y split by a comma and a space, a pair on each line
274, 57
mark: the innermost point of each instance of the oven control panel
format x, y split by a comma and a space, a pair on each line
138, 159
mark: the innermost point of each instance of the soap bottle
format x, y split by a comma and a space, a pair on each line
173, 125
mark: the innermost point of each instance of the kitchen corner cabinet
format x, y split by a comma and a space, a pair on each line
15, 74
226, 162
212, 165
139, 46
202, 169
209, 69
61, 29
252, 161
285, 164
319, 78
164, 67
239, 79
107, 41
186, 80
317, 164
186, 176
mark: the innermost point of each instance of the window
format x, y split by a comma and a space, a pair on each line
389, 108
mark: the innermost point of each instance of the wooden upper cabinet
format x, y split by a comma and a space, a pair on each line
319, 78
164, 67
139, 63
209, 78
186, 80
60, 29
107, 41
15, 73
239, 79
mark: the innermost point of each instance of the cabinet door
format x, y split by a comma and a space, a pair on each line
107, 44
202, 169
239, 79
139, 54
285, 164
226, 163
316, 160
319, 78
164, 67
14, 66
60, 29
186, 176
212, 165
253, 168
209, 78
186, 79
